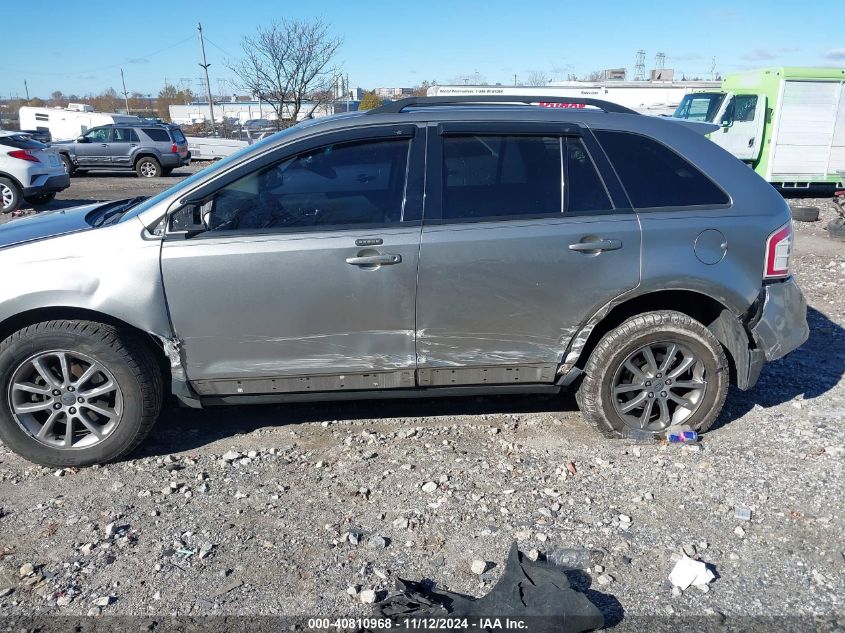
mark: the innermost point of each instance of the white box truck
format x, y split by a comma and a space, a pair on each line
70, 122
787, 123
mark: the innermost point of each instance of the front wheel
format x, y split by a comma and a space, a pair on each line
148, 167
70, 168
76, 393
656, 371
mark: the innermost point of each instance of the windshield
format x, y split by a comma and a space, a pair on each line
700, 106
202, 174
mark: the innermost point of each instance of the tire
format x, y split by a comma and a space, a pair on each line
70, 168
126, 373
805, 214
10, 196
659, 330
148, 167
836, 229
40, 199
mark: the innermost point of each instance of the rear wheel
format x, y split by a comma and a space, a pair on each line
76, 393
656, 371
148, 167
10, 196
41, 198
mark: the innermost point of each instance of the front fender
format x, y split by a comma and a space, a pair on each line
113, 270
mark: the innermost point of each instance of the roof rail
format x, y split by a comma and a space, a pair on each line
394, 107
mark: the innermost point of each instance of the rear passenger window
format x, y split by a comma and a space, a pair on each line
157, 134
584, 191
488, 176
655, 176
125, 135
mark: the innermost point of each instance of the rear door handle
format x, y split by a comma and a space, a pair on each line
374, 260
596, 245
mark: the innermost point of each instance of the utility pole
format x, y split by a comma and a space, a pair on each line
205, 66
26, 87
125, 93
514, 79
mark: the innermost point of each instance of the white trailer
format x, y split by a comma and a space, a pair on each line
646, 97
210, 148
68, 123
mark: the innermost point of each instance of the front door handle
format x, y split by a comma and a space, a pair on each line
596, 245
374, 260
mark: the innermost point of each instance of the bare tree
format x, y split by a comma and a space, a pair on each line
288, 63
537, 78
473, 79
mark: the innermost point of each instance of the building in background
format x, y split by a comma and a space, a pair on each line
242, 111
393, 93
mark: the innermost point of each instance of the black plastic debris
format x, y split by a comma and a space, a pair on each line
536, 593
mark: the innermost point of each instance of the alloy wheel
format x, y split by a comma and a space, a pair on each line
148, 170
6, 195
65, 399
659, 385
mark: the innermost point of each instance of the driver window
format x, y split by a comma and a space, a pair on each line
744, 107
341, 185
99, 135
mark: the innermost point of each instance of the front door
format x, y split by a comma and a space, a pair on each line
304, 276
742, 126
522, 242
96, 151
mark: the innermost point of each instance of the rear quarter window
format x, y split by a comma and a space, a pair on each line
177, 135
157, 134
655, 176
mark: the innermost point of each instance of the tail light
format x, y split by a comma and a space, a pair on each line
778, 253
174, 149
24, 154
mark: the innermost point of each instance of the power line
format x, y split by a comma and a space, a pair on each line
95, 70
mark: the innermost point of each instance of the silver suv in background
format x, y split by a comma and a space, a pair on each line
431, 247
149, 149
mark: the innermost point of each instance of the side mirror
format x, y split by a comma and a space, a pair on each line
187, 221
82, 139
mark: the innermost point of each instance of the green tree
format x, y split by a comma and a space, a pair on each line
369, 101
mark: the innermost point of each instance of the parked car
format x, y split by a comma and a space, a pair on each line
150, 149
42, 136
410, 251
29, 172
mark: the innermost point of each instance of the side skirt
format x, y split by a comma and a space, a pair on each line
383, 394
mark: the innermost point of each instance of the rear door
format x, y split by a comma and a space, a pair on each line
526, 236
124, 143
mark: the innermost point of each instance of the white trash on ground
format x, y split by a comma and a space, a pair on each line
690, 572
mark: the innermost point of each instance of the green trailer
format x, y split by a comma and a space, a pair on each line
787, 123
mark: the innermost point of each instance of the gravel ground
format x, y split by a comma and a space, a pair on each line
278, 510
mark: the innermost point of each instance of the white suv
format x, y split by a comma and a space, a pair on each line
29, 171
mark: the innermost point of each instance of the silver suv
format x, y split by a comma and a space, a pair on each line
430, 247
150, 149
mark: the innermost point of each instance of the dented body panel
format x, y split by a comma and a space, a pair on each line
113, 270
254, 307
513, 293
